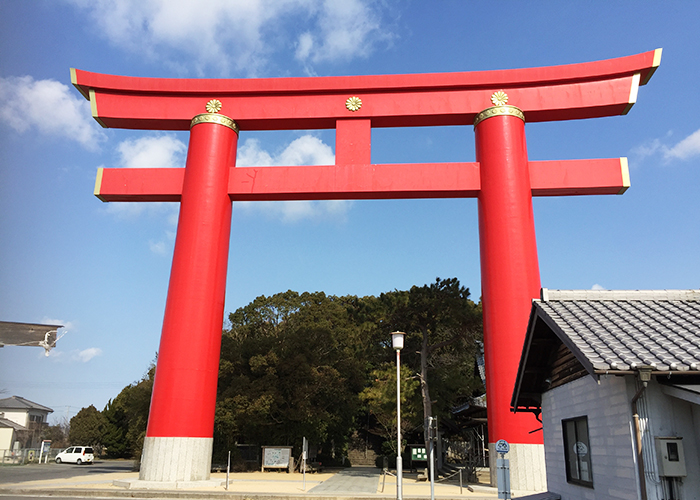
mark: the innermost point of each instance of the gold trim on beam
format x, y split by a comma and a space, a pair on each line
625, 171
74, 81
634, 90
93, 108
505, 110
655, 64
216, 118
98, 183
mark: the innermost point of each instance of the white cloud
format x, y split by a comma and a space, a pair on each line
231, 36
305, 150
158, 247
345, 30
67, 325
87, 354
50, 107
683, 150
598, 287
152, 151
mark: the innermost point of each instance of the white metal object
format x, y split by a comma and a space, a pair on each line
228, 468
503, 469
397, 343
503, 477
397, 340
671, 458
432, 435
304, 453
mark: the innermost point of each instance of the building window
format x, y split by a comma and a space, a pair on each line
577, 451
36, 418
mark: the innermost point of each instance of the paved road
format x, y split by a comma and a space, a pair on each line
352, 480
36, 472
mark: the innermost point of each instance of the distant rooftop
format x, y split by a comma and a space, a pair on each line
7, 423
19, 403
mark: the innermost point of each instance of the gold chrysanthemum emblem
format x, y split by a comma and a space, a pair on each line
214, 106
353, 103
499, 98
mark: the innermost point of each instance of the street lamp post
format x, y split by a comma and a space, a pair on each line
397, 343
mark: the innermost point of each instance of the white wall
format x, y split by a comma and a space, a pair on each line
607, 407
670, 416
6, 434
18, 416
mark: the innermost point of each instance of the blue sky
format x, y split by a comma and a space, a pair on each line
102, 269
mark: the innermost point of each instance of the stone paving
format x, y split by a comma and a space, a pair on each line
352, 480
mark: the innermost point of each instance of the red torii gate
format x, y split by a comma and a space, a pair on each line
180, 427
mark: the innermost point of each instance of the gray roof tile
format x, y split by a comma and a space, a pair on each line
619, 330
19, 403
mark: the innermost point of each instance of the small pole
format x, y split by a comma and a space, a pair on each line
304, 448
397, 343
431, 437
399, 465
503, 469
228, 468
460, 481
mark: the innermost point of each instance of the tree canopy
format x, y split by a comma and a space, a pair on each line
312, 365
87, 427
295, 365
126, 417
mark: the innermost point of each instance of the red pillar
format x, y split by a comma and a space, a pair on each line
510, 276
184, 392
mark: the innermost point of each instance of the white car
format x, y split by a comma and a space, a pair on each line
76, 455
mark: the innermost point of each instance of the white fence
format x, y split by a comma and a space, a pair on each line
26, 456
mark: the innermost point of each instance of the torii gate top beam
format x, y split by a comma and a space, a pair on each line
586, 90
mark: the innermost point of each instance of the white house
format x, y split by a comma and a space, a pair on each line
7, 433
615, 379
17, 415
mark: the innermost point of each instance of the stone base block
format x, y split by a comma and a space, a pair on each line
176, 459
527, 467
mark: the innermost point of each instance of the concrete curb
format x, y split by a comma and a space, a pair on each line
138, 484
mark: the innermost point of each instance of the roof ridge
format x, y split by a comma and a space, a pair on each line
24, 403
547, 294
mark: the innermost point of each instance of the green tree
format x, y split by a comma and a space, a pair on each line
87, 427
57, 434
126, 417
444, 327
288, 369
380, 400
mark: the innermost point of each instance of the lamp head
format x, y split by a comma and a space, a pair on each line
397, 340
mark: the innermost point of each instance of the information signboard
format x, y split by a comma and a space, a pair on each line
276, 457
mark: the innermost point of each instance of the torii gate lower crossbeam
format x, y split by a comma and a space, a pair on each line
180, 429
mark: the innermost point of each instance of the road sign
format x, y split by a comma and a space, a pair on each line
502, 446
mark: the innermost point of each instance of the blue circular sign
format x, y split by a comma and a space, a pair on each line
502, 446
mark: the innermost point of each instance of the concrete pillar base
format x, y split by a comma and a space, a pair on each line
176, 459
527, 467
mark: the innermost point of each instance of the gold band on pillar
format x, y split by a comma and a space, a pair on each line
215, 118
499, 111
